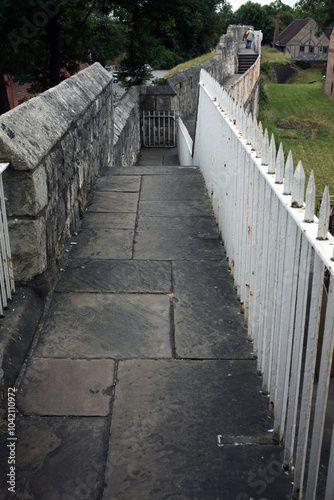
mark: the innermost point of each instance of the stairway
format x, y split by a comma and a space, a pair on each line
245, 61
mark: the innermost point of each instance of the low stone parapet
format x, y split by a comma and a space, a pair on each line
56, 144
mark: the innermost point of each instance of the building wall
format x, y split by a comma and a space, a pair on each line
56, 144
306, 38
328, 82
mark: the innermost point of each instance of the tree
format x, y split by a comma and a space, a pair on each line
160, 31
43, 41
264, 18
321, 10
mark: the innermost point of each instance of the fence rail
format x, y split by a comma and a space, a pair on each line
281, 258
7, 286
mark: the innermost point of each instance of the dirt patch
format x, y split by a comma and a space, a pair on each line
294, 123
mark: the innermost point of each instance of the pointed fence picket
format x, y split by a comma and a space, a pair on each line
281, 259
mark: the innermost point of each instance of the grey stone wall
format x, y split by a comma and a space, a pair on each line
127, 141
56, 144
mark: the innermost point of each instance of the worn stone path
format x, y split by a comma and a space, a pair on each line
141, 384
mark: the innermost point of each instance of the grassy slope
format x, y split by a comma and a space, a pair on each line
304, 105
190, 64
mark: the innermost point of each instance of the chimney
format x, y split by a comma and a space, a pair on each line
276, 32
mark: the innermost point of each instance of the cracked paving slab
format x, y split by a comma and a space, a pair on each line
164, 444
83, 325
116, 276
58, 458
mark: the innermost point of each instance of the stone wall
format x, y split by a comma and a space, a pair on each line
56, 144
220, 67
127, 140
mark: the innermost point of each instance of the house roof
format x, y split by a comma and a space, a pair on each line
290, 31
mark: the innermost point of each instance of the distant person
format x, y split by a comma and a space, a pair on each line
249, 38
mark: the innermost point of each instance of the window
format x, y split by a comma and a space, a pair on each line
311, 49
325, 50
301, 49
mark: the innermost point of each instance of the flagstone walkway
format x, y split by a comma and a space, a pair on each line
141, 384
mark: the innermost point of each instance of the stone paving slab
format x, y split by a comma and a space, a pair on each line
67, 387
129, 184
116, 276
114, 201
103, 243
171, 187
207, 318
81, 325
149, 170
165, 427
182, 238
175, 208
158, 156
109, 220
57, 458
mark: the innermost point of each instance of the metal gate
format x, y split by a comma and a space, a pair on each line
159, 129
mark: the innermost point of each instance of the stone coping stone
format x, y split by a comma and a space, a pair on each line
116, 276
30, 131
88, 325
57, 458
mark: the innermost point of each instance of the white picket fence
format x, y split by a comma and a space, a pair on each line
7, 286
281, 258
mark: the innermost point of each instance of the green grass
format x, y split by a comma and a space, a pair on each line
306, 76
274, 56
305, 107
190, 64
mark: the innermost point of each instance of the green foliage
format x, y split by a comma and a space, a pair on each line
43, 40
303, 64
264, 17
266, 68
321, 10
274, 56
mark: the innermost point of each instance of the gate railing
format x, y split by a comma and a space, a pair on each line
159, 129
7, 286
281, 258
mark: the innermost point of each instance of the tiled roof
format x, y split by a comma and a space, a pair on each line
290, 31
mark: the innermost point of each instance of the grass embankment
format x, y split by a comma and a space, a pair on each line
301, 116
190, 64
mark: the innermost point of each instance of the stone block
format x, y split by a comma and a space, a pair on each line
32, 195
28, 246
